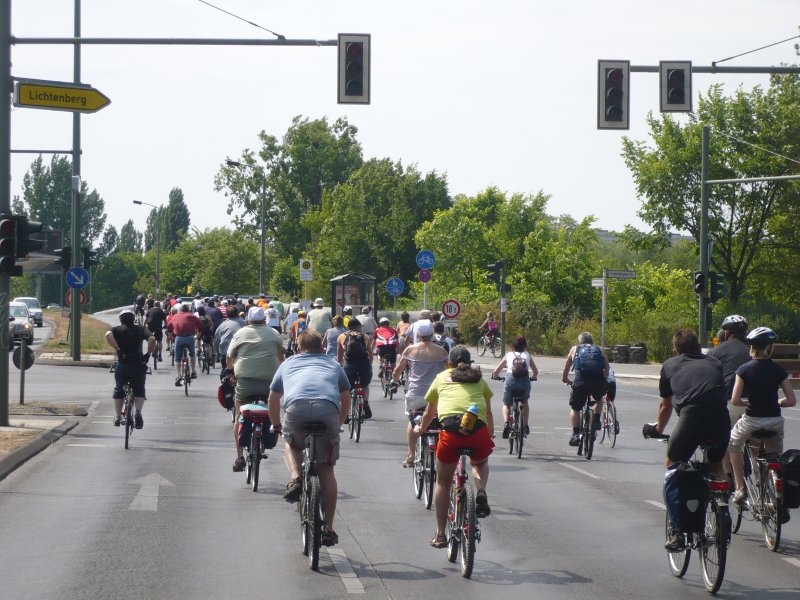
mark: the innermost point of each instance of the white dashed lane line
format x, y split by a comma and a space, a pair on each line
656, 504
348, 576
581, 471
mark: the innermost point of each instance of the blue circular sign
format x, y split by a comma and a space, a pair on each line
425, 259
77, 277
395, 286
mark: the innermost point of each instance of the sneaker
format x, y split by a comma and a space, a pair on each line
194, 374
575, 440
616, 427
239, 464
294, 490
116, 421
138, 422
675, 543
506, 431
329, 538
739, 496
178, 382
482, 505
367, 410
527, 430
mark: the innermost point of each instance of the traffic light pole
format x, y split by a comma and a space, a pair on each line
75, 312
5, 192
702, 299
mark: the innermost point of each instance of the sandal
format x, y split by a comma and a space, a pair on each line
408, 463
239, 464
439, 541
293, 490
329, 538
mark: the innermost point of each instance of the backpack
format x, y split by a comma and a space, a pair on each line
355, 348
301, 325
589, 360
685, 497
791, 478
519, 366
225, 394
440, 340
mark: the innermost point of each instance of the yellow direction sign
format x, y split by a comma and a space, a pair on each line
54, 95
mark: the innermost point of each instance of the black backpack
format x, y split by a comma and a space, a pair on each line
685, 497
355, 348
440, 340
791, 478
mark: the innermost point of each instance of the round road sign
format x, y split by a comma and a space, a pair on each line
425, 276
68, 298
29, 357
425, 259
451, 309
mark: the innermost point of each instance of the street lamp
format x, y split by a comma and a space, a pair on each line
158, 245
235, 163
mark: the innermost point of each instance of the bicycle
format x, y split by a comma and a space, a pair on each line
126, 417
186, 371
425, 461
203, 359
516, 428
586, 445
357, 410
764, 484
312, 514
490, 342
609, 425
385, 374
255, 452
171, 350
461, 528
712, 542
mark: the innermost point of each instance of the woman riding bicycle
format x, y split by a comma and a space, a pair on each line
518, 381
451, 394
490, 325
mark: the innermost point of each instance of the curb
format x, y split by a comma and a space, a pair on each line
75, 363
42, 441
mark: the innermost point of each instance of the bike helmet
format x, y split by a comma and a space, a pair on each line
734, 323
761, 337
383, 321
348, 310
126, 315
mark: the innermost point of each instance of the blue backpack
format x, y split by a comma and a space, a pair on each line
589, 360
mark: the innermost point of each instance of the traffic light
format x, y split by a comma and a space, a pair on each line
676, 85
613, 98
495, 274
699, 282
718, 290
354, 68
89, 257
64, 257
26, 244
8, 246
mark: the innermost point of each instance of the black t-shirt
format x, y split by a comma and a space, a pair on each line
732, 353
692, 379
129, 339
155, 319
762, 378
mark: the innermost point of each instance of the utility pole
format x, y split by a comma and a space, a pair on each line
5, 192
75, 312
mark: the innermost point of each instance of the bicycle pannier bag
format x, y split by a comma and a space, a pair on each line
519, 366
589, 360
791, 478
685, 497
225, 394
257, 412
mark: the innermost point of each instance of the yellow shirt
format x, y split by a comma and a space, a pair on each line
454, 398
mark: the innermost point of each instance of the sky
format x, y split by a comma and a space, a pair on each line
490, 93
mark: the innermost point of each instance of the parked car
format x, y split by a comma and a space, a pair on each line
34, 308
19, 323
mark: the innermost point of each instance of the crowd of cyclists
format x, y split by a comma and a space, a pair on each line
306, 362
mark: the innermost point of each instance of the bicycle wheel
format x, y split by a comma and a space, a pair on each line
714, 550
771, 509
315, 522
305, 529
419, 468
248, 460
603, 423
678, 561
171, 352
429, 471
496, 347
155, 360
481, 346
520, 429
128, 416
611, 426
453, 524
353, 418
469, 530
255, 456
359, 419
209, 360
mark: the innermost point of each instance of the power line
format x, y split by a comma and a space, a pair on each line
794, 37
277, 35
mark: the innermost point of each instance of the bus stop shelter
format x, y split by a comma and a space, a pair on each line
353, 289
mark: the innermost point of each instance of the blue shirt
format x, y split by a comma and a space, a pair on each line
309, 377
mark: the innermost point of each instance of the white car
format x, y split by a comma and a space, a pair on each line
34, 308
19, 323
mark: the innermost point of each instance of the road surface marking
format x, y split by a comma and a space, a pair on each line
93, 405
87, 445
791, 561
656, 504
346, 573
581, 471
147, 497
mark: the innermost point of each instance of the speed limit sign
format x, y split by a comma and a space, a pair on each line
451, 309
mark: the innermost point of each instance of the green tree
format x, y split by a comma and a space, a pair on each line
130, 238
175, 221
109, 243
114, 282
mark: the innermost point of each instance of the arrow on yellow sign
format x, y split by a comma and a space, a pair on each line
54, 95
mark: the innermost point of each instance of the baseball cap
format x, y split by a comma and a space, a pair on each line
460, 354
424, 327
319, 302
256, 313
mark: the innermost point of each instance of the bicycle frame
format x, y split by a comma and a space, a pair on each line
764, 484
311, 502
462, 522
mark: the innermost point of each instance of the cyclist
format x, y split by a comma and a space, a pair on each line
155, 323
520, 370
214, 313
692, 385
762, 378
290, 319
490, 325
347, 314
386, 341
368, 324
184, 327
170, 338
591, 373
298, 327
207, 335
411, 333
330, 341
138, 305
440, 337
224, 334
402, 329
319, 319
355, 353
126, 340
311, 386
254, 354
451, 394
425, 360
273, 320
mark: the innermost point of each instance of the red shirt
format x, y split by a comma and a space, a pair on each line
185, 323
385, 336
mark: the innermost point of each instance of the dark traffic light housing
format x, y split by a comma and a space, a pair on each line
354, 68
699, 283
718, 290
25, 228
64, 257
8, 246
675, 79
613, 97
495, 274
89, 257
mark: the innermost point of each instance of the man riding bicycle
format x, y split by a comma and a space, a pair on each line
591, 373
386, 341
126, 340
355, 353
155, 323
184, 327
311, 387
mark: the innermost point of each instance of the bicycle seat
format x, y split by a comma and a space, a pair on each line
707, 445
763, 434
466, 451
257, 398
314, 428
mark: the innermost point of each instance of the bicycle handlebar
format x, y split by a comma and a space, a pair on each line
649, 431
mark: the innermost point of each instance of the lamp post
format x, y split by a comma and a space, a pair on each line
158, 245
234, 163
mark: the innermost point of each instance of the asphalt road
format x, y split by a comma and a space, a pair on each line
168, 518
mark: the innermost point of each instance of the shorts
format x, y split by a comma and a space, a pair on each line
180, 342
577, 397
249, 386
158, 334
516, 386
388, 352
450, 442
305, 411
414, 403
135, 373
362, 369
747, 425
735, 413
700, 425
